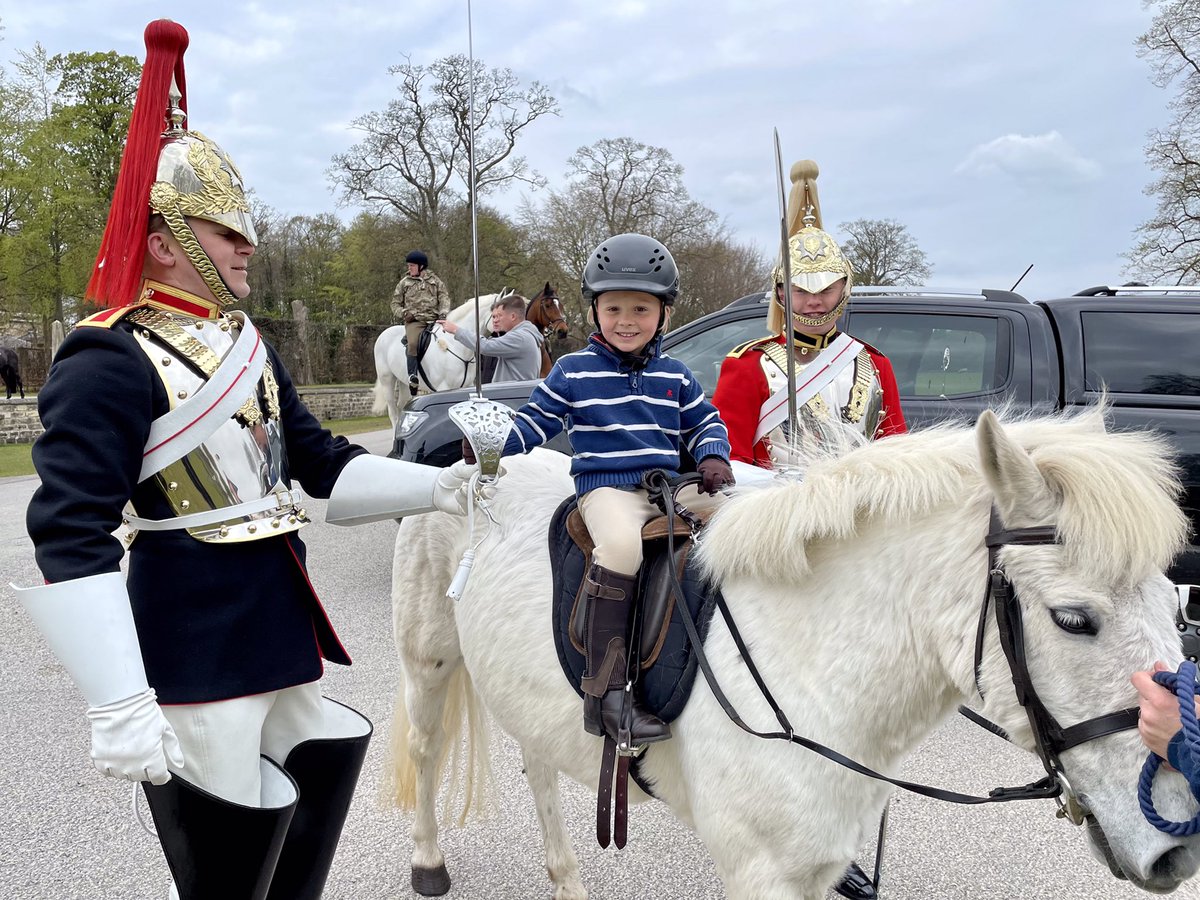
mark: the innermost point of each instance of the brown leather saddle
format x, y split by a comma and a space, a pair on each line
666, 663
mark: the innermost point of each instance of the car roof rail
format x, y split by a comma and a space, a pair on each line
749, 300
1111, 290
879, 290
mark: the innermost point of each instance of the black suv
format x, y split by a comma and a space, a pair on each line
945, 348
956, 354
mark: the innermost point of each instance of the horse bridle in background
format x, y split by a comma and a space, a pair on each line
1050, 738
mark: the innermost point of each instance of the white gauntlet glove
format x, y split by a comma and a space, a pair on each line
453, 486
131, 739
373, 488
89, 626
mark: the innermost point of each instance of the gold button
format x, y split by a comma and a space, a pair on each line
252, 528
172, 485
275, 522
224, 326
166, 360
185, 505
291, 520
224, 532
182, 395
199, 325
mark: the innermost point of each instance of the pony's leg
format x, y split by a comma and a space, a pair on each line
759, 876
426, 686
561, 862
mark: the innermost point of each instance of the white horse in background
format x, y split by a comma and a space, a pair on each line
446, 364
864, 632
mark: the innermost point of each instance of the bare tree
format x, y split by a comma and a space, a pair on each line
714, 272
617, 185
883, 252
413, 157
1167, 246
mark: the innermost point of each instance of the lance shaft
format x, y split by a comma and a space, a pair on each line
471, 186
786, 300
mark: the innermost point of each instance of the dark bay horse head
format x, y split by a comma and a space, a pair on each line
546, 313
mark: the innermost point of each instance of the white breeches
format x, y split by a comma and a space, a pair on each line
222, 740
614, 518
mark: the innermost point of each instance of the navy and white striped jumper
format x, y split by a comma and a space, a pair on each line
622, 421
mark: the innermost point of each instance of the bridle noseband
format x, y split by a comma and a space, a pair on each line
1050, 738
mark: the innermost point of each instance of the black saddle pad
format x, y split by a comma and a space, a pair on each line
664, 688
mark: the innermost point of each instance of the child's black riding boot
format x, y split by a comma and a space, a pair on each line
609, 597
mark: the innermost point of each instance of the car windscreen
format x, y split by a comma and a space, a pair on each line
703, 353
1171, 365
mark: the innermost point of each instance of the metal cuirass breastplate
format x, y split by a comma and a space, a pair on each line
855, 395
243, 459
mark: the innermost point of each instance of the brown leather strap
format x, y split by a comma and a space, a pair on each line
604, 793
621, 814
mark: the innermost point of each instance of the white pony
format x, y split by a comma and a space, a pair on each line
864, 633
446, 365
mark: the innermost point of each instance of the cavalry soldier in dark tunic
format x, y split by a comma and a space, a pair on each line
167, 412
420, 299
837, 378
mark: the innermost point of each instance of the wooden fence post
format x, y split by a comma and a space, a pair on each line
300, 315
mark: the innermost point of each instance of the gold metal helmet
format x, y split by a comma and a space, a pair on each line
197, 179
815, 258
167, 170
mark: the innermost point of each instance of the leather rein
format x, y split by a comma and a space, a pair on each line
1051, 739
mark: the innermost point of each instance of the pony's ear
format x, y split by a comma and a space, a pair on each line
1022, 495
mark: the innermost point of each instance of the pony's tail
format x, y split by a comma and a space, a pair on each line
471, 788
379, 399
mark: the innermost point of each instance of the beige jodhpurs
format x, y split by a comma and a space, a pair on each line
614, 518
412, 331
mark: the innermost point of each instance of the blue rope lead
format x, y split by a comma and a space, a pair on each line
1183, 685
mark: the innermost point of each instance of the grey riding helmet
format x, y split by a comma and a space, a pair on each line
631, 262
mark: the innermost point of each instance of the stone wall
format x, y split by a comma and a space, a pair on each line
339, 402
19, 422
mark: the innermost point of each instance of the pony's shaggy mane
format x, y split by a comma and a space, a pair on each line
1115, 495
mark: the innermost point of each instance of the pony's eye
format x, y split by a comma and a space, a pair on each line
1074, 620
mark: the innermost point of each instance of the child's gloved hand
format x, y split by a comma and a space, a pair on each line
716, 472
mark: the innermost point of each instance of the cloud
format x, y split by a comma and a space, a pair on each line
1037, 159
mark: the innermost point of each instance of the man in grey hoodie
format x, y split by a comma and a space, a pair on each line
517, 347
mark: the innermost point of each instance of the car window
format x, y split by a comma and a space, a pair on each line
703, 353
937, 355
1111, 360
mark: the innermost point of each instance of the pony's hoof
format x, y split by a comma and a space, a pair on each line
430, 882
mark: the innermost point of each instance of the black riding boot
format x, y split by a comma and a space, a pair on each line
326, 771
413, 381
609, 597
218, 850
855, 884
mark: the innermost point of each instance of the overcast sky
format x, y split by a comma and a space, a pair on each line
1001, 132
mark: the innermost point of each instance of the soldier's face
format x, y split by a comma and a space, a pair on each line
229, 252
815, 305
414, 270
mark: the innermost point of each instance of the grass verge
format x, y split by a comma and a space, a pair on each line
359, 425
15, 458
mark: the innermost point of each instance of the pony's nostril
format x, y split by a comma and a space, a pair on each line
1173, 867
